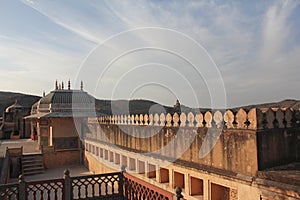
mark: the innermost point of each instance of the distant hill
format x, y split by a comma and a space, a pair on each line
8, 98
107, 107
290, 103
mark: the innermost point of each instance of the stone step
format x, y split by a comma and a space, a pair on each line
37, 168
32, 157
32, 164
32, 161
30, 173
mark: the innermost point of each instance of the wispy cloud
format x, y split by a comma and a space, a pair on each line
254, 44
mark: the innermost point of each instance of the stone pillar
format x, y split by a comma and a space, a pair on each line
38, 132
22, 188
171, 178
206, 189
67, 185
157, 178
187, 184
50, 136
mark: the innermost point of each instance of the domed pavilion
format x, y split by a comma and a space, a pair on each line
58, 118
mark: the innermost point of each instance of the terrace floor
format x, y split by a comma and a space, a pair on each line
75, 170
29, 146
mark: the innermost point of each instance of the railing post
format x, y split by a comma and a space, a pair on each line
178, 193
22, 188
67, 185
122, 183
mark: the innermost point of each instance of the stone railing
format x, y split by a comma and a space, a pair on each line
241, 119
5, 172
11, 164
117, 186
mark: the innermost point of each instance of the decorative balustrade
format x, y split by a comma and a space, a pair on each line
9, 191
136, 189
241, 119
114, 186
46, 189
97, 186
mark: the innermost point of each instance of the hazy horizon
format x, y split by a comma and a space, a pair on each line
276, 101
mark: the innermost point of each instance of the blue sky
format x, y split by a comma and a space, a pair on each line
254, 46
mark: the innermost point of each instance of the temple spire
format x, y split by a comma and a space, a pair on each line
81, 85
62, 85
56, 85
69, 84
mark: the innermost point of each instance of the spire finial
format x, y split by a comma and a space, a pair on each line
56, 85
69, 84
44, 94
62, 85
59, 86
81, 85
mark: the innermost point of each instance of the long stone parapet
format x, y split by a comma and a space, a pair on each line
264, 118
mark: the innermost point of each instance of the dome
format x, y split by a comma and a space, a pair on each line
64, 101
67, 97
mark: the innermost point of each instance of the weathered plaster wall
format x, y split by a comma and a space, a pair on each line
234, 151
64, 127
95, 166
278, 147
54, 159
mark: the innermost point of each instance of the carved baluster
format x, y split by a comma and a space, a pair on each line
191, 119
128, 118
141, 119
182, 119
156, 119
162, 119
146, 118
288, 117
229, 119
208, 119
176, 120
169, 120
252, 119
199, 119
270, 117
218, 119
125, 119
279, 115
241, 119
137, 119
151, 119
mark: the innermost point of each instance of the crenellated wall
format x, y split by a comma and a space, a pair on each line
246, 141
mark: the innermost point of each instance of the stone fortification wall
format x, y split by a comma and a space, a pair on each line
243, 141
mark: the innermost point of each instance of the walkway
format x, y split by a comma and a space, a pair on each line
29, 146
75, 170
